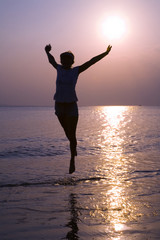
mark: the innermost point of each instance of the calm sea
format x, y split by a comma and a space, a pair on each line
114, 193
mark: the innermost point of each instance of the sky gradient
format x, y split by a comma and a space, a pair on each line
129, 75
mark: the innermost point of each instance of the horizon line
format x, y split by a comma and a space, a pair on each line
132, 105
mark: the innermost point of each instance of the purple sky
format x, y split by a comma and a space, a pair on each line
129, 75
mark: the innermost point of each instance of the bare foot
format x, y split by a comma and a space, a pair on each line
72, 166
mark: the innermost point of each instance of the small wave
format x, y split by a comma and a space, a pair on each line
22, 151
144, 174
64, 182
147, 171
33, 147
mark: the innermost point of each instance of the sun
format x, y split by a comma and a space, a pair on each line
114, 27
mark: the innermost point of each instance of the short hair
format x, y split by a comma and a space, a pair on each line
65, 54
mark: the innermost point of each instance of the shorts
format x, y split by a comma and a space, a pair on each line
66, 109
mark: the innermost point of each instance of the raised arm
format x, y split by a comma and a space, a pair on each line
88, 64
50, 57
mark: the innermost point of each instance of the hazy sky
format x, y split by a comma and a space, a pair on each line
129, 75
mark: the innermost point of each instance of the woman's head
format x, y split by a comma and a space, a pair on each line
67, 59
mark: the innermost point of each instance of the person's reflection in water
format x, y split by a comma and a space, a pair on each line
73, 233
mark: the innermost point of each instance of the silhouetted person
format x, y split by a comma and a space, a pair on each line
65, 97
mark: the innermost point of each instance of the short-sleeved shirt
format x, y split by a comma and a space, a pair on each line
65, 84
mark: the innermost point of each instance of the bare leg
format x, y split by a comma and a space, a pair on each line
69, 125
72, 125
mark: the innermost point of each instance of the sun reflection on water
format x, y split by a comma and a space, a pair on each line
115, 166
112, 127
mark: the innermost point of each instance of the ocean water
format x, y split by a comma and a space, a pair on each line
114, 193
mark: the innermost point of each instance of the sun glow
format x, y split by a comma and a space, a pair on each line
114, 27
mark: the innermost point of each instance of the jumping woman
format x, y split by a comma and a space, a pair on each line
65, 97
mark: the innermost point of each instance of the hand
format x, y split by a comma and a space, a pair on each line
48, 48
108, 49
